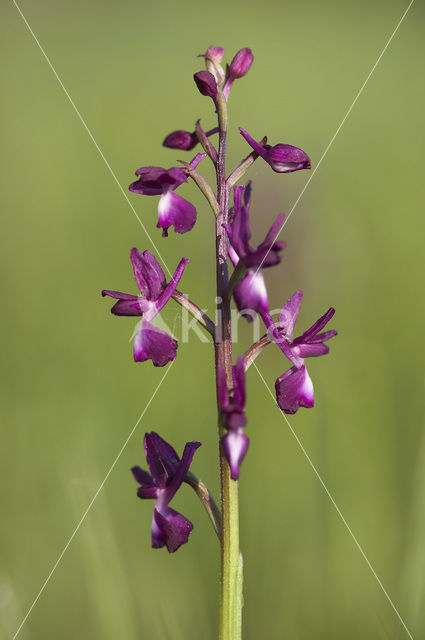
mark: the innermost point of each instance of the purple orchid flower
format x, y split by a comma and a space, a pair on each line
294, 388
167, 474
150, 343
250, 294
173, 210
234, 443
239, 234
283, 158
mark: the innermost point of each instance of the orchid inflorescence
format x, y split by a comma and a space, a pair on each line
246, 286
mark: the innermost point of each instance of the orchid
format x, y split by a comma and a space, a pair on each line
167, 474
267, 253
173, 210
150, 343
232, 406
294, 388
250, 293
239, 275
283, 158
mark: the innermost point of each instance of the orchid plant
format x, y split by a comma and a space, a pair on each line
230, 205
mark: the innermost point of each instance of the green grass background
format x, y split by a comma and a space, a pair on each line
71, 393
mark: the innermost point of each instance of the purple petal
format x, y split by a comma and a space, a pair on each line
289, 314
284, 158
234, 416
165, 453
157, 469
250, 295
172, 529
308, 350
181, 471
148, 492
273, 232
171, 286
141, 476
206, 84
149, 276
239, 381
316, 327
175, 211
181, 139
241, 63
294, 389
153, 181
118, 295
235, 445
130, 307
154, 344
322, 337
258, 148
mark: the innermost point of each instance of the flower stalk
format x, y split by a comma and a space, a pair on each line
230, 615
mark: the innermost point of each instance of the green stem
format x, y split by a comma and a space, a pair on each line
230, 622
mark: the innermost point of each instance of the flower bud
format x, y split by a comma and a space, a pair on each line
241, 63
181, 140
206, 84
213, 56
215, 53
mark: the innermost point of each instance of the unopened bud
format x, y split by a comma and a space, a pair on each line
241, 63
206, 84
181, 140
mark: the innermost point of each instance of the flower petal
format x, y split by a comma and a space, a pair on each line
118, 295
289, 314
172, 529
235, 445
129, 307
165, 453
294, 389
238, 371
156, 467
149, 276
258, 148
316, 327
175, 211
308, 350
151, 343
181, 471
284, 158
250, 295
171, 286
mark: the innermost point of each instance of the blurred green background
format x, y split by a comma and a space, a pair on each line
71, 393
